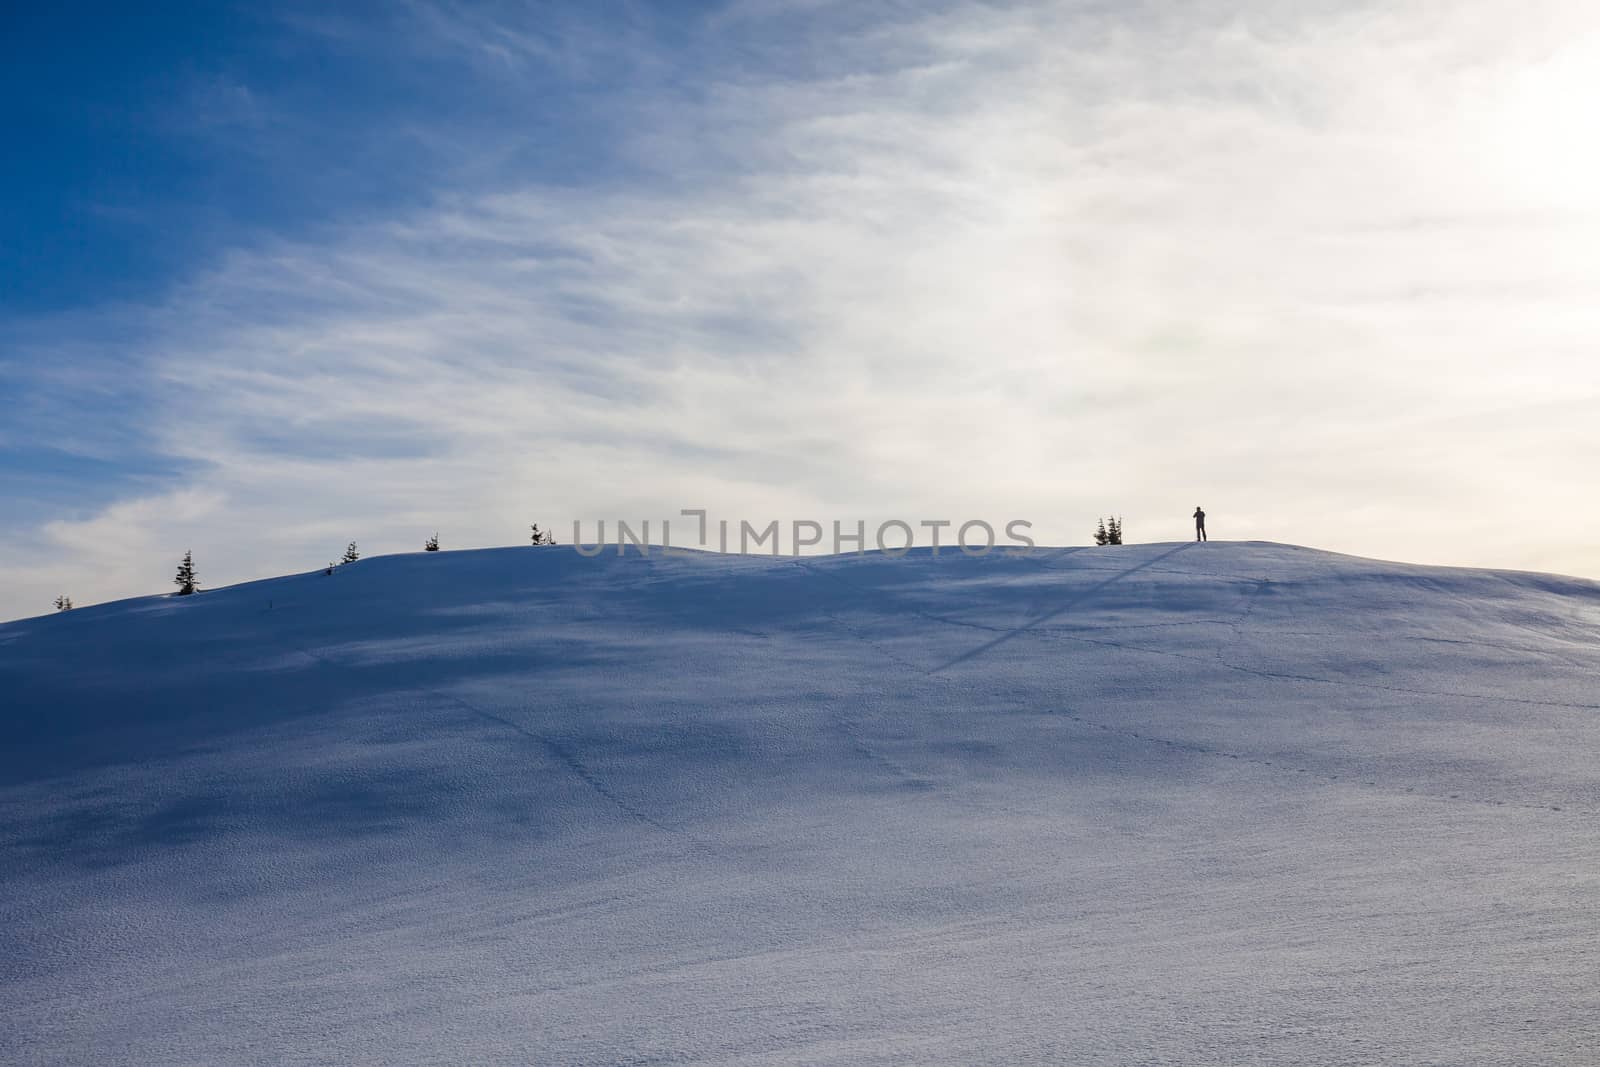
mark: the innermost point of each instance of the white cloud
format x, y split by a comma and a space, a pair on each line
1039, 261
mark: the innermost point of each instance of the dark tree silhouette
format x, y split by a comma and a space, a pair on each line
63, 603
1114, 530
1101, 535
186, 580
431, 544
350, 554
542, 537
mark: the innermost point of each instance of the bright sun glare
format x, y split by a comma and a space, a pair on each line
1545, 128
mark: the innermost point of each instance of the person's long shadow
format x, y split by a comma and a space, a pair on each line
1058, 610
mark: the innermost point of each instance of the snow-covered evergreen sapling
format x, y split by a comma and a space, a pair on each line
63, 603
350, 554
1101, 537
186, 580
542, 537
1114, 530
431, 544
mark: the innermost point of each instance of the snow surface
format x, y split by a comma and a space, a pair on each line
1158, 804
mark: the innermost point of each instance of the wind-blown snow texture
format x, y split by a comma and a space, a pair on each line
1213, 804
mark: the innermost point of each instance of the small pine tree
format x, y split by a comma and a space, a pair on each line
431, 544
63, 603
1101, 536
1114, 530
186, 580
350, 554
542, 537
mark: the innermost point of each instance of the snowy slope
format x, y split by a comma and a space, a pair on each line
1160, 804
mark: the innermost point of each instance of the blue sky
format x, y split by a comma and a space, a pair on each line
273, 278
158, 141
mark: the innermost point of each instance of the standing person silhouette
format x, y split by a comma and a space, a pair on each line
1199, 523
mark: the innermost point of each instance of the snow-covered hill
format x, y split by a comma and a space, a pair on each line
1161, 804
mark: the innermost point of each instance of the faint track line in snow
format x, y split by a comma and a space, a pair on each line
1237, 579
550, 744
1129, 626
847, 726
860, 634
1444, 693
1464, 642
1336, 682
1236, 625
1300, 769
570, 760
894, 767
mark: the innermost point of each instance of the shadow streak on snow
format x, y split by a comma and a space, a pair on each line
1070, 602
61, 724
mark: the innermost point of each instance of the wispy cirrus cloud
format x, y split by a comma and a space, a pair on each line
1037, 260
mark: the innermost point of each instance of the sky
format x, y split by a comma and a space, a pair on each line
276, 277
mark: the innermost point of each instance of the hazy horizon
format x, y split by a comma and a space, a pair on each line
657, 550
